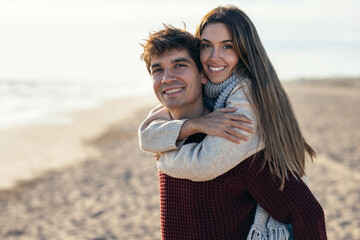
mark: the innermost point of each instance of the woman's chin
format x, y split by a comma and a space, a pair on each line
219, 79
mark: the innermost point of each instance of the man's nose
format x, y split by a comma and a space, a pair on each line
168, 76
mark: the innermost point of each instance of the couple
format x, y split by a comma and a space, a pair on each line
219, 177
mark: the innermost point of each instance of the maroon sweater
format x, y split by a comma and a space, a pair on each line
224, 208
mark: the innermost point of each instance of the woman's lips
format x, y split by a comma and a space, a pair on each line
216, 69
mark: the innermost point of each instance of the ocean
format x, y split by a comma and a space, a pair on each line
67, 55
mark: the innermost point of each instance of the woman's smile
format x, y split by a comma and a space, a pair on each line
217, 54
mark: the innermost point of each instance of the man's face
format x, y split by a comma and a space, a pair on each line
177, 82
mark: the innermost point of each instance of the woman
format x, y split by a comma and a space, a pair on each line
241, 75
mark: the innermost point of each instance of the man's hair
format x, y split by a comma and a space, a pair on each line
171, 38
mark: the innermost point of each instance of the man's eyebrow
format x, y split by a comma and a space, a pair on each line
224, 41
181, 60
154, 65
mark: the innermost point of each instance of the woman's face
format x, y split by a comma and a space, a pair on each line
217, 54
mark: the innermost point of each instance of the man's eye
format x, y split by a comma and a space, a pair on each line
156, 70
180, 65
228, 46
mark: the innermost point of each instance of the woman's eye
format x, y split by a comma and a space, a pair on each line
205, 45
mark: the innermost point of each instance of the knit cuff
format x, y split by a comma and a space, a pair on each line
175, 134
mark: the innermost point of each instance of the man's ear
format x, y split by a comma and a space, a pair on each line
204, 78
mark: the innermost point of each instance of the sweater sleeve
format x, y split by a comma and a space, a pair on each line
158, 133
295, 204
214, 156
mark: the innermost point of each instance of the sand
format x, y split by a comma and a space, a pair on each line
89, 180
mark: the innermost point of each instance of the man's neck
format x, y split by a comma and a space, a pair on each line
187, 113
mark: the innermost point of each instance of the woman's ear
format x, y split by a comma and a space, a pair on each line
204, 78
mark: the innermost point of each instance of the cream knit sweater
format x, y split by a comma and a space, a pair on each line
203, 161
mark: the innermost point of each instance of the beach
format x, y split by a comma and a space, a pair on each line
90, 180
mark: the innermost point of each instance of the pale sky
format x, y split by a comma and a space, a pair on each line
86, 40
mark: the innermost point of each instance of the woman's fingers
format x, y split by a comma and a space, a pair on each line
236, 134
242, 126
236, 117
241, 118
223, 123
226, 110
231, 134
229, 137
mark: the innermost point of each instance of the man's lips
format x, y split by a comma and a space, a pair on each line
173, 90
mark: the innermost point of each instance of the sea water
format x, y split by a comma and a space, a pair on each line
74, 54
38, 102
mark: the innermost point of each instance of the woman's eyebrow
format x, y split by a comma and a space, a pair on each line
224, 41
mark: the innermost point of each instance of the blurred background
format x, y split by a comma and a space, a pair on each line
73, 92
74, 54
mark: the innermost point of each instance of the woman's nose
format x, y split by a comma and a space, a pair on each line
215, 54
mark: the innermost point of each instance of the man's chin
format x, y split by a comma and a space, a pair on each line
171, 105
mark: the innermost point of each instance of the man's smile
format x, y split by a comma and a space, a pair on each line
173, 90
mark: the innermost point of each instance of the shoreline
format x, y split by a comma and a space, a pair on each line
31, 149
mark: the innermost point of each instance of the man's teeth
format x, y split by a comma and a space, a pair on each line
173, 90
216, 68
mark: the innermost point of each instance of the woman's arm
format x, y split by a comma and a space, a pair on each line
214, 156
158, 133
295, 204
218, 123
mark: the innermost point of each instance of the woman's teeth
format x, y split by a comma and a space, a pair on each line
215, 69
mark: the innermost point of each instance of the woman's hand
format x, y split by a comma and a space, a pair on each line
218, 123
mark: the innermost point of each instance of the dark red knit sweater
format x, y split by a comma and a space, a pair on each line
224, 208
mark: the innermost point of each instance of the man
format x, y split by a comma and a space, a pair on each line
172, 59
177, 81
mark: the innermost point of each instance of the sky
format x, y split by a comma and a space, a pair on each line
93, 40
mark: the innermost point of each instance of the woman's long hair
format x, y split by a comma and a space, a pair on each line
285, 147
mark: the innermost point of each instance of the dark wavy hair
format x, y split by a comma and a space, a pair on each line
171, 38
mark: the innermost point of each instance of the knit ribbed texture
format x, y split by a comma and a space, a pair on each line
224, 208
259, 230
267, 228
277, 230
156, 120
215, 95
